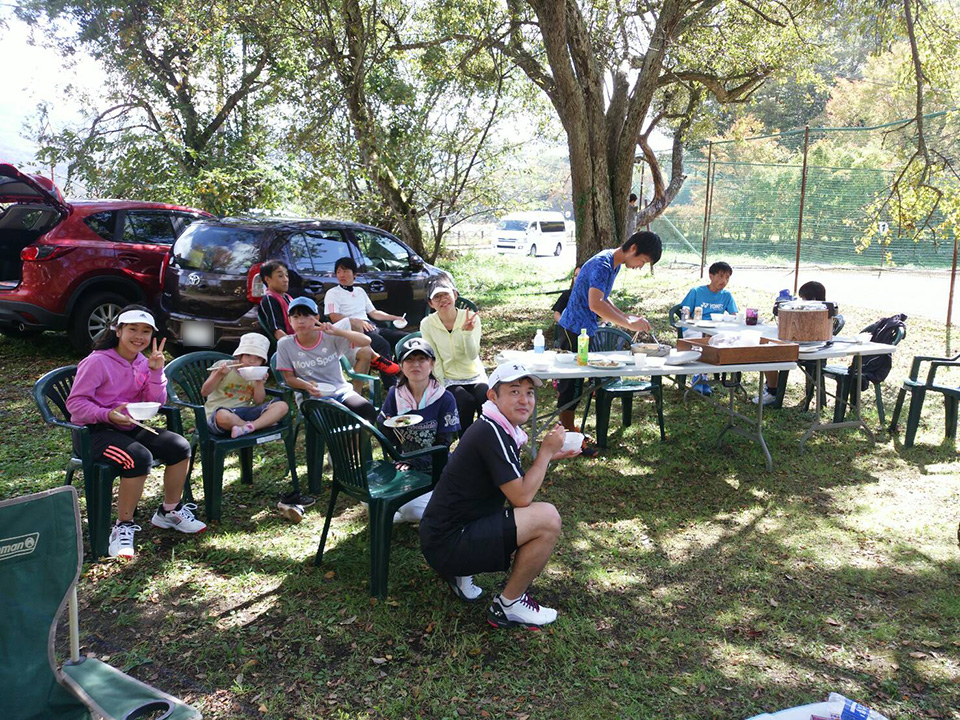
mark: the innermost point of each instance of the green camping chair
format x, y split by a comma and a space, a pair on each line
376, 482
50, 393
41, 554
918, 392
673, 317
607, 339
185, 377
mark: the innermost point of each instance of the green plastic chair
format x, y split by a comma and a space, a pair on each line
918, 392
42, 553
846, 386
314, 468
378, 483
372, 381
607, 339
185, 377
401, 341
50, 394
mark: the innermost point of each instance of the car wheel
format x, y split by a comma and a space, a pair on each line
533, 250
558, 250
92, 316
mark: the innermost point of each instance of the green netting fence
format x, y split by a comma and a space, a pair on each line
750, 208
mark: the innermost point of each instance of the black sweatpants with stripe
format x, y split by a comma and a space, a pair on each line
133, 451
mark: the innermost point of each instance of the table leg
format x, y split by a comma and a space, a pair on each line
733, 415
857, 423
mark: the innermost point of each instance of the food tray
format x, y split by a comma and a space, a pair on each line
769, 350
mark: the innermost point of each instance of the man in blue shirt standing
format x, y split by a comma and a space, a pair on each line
590, 299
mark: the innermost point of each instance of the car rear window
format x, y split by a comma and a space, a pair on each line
217, 249
103, 223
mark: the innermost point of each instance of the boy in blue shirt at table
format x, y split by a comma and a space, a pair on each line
713, 298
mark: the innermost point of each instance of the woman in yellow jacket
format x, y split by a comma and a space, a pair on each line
455, 337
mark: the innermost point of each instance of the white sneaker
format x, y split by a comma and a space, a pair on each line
464, 588
181, 519
524, 612
769, 398
121, 540
290, 511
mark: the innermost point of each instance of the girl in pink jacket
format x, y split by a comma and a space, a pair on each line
111, 377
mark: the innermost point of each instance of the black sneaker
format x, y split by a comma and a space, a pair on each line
296, 498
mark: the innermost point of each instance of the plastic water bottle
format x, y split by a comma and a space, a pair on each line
538, 342
847, 709
583, 347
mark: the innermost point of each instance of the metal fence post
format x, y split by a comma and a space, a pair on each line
706, 210
803, 195
953, 280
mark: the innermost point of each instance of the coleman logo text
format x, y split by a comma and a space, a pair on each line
20, 545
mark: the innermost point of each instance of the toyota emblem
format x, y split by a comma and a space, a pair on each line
194, 279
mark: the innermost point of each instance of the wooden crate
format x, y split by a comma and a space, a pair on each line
805, 325
769, 350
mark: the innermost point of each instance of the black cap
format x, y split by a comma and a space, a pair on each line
415, 344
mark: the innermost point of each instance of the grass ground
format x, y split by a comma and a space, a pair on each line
690, 583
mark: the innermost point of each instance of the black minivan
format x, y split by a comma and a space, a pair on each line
212, 284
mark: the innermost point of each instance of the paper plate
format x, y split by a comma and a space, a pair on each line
705, 323
403, 421
605, 364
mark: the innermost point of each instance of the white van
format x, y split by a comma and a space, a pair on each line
531, 233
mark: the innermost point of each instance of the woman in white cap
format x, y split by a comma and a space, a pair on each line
454, 335
111, 377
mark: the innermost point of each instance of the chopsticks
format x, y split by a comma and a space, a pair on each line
228, 365
145, 427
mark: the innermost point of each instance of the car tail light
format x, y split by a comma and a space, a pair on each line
255, 287
37, 253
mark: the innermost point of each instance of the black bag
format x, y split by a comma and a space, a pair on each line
877, 367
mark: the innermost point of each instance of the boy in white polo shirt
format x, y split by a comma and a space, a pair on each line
350, 301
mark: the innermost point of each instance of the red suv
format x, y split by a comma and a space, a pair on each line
72, 266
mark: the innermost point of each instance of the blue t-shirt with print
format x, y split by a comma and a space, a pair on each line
597, 272
711, 302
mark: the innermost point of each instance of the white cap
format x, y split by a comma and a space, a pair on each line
510, 372
253, 344
136, 316
439, 289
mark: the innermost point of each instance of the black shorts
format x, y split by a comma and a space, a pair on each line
484, 545
133, 451
567, 389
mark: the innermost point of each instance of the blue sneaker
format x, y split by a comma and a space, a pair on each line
699, 384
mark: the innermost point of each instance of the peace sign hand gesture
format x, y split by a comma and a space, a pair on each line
469, 320
157, 360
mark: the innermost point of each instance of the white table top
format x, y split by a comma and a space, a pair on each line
841, 345
573, 371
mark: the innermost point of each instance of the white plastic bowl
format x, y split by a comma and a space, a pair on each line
254, 372
143, 410
718, 317
400, 323
572, 441
654, 362
566, 359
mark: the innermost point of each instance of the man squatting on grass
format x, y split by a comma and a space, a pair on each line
466, 530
